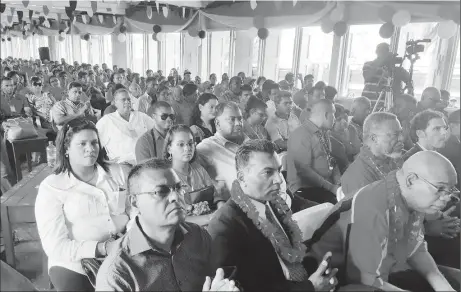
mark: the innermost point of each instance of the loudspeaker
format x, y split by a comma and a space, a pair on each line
44, 53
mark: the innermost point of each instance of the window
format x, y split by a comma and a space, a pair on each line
361, 48
95, 49
455, 79
107, 50
152, 54
286, 49
84, 51
172, 49
220, 53
422, 74
315, 53
135, 43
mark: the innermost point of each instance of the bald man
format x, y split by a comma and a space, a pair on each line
361, 108
430, 99
312, 171
383, 229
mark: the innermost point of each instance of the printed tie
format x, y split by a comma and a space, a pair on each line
296, 270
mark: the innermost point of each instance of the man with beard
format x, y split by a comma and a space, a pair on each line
379, 240
429, 131
255, 233
382, 146
119, 131
161, 252
150, 144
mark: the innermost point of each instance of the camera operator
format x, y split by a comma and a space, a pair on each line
377, 72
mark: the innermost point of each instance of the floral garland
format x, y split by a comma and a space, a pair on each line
296, 251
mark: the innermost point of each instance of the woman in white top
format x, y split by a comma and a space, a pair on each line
81, 208
179, 148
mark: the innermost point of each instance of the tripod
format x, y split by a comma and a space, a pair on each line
386, 94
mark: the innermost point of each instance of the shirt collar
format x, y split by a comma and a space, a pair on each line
138, 242
421, 146
68, 180
311, 127
157, 135
226, 143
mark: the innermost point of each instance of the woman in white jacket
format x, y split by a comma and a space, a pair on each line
82, 207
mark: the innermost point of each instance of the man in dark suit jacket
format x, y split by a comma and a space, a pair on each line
253, 232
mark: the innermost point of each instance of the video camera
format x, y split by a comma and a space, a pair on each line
415, 47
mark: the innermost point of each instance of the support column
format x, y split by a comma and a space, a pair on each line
271, 57
243, 52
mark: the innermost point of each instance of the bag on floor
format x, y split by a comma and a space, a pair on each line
19, 128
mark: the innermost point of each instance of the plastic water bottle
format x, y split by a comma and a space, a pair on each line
51, 154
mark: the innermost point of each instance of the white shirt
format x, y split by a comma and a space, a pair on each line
73, 216
119, 136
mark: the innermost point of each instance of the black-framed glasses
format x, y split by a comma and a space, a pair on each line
37, 84
163, 191
452, 193
166, 116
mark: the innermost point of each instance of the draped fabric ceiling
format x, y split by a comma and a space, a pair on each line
204, 15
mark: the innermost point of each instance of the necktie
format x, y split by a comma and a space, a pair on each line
296, 270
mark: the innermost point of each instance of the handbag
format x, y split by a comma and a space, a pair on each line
19, 128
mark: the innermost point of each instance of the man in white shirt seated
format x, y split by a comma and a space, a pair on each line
119, 131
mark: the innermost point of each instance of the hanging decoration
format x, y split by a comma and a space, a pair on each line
165, 11
202, 34
401, 18
263, 33
253, 4
386, 30
445, 11
61, 38
122, 29
340, 28
114, 19
149, 12
158, 6
90, 13
31, 13
447, 29
294, 2
86, 37
69, 13
47, 23
25, 3
386, 13
121, 37
73, 4
94, 6
8, 39
193, 32
157, 28
101, 18
184, 12
46, 10
327, 25
20, 15
258, 21
84, 19
12, 10
160, 36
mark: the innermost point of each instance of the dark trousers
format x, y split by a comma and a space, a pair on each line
318, 195
413, 281
445, 251
66, 280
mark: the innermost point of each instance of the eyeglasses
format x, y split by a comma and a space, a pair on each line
452, 193
36, 84
164, 191
166, 116
76, 92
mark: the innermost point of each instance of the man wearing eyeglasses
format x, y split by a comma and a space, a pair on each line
161, 252
383, 231
119, 131
150, 144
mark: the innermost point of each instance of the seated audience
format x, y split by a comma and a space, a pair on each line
245, 93
202, 120
287, 83
41, 102
314, 94
452, 147
430, 99
380, 154
330, 93
150, 143
55, 89
11, 103
233, 92
405, 108
255, 233
111, 90
340, 140
272, 93
80, 208
149, 97
255, 117
283, 122
429, 131
259, 84
185, 105
312, 171
179, 148
74, 106
361, 108
161, 252
119, 131
383, 229
266, 90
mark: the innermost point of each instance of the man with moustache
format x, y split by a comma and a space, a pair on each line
429, 131
161, 252
150, 144
119, 131
379, 240
255, 233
